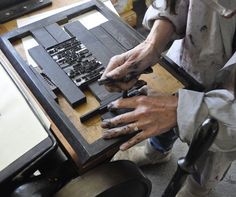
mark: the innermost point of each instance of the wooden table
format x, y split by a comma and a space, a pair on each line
159, 80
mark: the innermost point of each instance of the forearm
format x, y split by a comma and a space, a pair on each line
160, 35
195, 107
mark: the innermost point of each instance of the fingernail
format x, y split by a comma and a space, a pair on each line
123, 147
110, 106
106, 123
106, 135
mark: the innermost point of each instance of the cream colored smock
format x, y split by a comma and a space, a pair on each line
204, 49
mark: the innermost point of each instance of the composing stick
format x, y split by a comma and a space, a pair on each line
127, 78
100, 110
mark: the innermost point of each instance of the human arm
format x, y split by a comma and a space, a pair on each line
195, 107
162, 112
135, 61
164, 28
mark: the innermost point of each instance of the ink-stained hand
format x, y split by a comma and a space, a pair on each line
152, 115
124, 70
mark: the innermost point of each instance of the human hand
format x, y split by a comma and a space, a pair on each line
124, 70
152, 115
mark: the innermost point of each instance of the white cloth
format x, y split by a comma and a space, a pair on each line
205, 48
207, 37
193, 109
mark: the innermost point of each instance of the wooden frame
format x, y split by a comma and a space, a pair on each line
86, 152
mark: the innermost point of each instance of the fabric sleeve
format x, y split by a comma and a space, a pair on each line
195, 107
160, 12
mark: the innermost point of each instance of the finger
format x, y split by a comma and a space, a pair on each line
123, 71
114, 62
125, 103
119, 120
119, 86
119, 131
143, 90
134, 140
146, 90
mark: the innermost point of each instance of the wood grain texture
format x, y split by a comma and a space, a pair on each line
159, 80
162, 81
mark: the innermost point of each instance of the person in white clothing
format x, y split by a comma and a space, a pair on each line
206, 29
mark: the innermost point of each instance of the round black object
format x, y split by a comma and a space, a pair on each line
132, 188
114, 179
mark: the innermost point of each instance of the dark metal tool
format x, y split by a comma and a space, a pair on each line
201, 142
103, 105
132, 92
106, 81
125, 94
